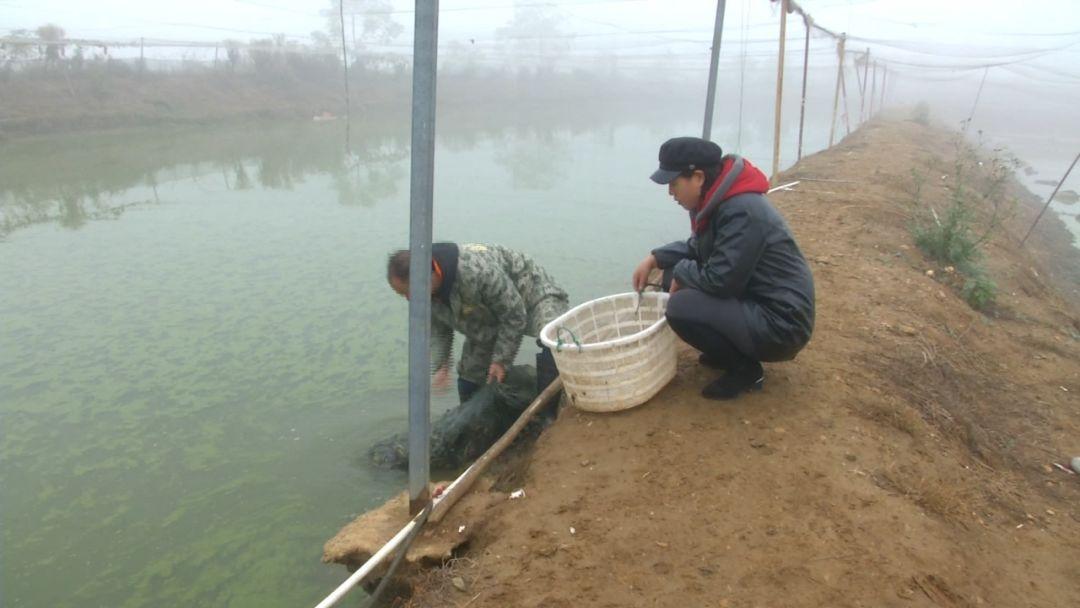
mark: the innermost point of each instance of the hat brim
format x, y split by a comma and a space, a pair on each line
664, 176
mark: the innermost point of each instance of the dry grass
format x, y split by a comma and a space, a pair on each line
898, 416
947, 498
436, 585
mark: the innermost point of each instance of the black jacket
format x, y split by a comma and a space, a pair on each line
747, 252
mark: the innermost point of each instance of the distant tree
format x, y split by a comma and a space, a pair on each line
232, 51
53, 35
322, 41
376, 24
11, 52
534, 37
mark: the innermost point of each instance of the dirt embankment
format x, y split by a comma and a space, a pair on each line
61, 100
904, 459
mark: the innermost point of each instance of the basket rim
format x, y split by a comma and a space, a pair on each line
645, 333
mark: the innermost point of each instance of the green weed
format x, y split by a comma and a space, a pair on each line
975, 209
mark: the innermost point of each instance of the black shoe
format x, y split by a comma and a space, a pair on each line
709, 362
735, 382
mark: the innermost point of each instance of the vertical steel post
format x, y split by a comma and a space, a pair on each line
805, 68
839, 80
710, 95
779, 87
421, 192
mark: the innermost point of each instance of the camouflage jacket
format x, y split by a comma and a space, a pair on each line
497, 297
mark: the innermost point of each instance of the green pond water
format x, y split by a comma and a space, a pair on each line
197, 344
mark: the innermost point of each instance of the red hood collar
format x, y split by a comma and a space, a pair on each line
737, 176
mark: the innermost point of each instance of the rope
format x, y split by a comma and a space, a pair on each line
978, 94
559, 341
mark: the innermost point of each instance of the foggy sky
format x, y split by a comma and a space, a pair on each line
935, 48
921, 31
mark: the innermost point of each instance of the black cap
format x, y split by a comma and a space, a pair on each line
680, 154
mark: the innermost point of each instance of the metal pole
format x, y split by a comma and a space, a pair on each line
884, 76
710, 95
836, 95
345, 63
805, 66
779, 86
862, 90
421, 192
873, 91
843, 94
1047, 205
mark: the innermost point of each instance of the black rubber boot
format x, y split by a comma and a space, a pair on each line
735, 382
546, 372
710, 362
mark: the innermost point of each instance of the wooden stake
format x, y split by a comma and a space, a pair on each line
805, 67
839, 80
873, 91
461, 486
779, 86
862, 90
843, 94
884, 75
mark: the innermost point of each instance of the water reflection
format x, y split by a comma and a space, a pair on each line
535, 160
76, 179
71, 180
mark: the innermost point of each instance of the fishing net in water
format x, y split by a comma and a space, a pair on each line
463, 433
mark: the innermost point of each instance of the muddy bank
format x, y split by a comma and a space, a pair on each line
906, 458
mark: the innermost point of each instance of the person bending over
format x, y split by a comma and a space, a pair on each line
493, 296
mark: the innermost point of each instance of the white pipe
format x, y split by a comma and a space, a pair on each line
387, 549
374, 561
782, 187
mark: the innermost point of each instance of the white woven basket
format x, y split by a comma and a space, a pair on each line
613, 354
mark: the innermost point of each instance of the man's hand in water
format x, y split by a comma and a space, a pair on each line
441, 381
496, 373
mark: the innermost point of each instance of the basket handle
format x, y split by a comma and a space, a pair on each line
559, 341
